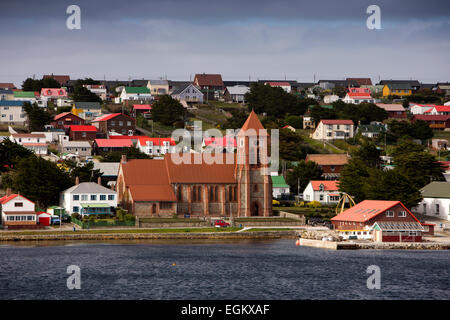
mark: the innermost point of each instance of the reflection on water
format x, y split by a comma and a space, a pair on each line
216, 269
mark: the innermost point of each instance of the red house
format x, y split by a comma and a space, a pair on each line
436, 122
389, 221
66, 119
82, 133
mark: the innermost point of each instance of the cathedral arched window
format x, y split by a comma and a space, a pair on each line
216, 193
180, 193
194, 193
199, 193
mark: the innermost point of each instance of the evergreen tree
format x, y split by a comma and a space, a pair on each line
302, 174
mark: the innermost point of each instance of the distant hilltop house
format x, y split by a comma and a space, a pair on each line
111, 145
435, 122
142, 109
383, 221
436, 200
34, 142
358, 82
88, 198
158, 87
26, 96
399, 87
98, 89
12, 112
134, 95
330, 98
395, 111
87, 110
209, 81
17, 211
236, 93
7, 86
156, 146
115, 122
151, 187
358, 95
323, 191
188, 94
331, 164
331, 84
62, 120
54, 95
286, 86
81, 149
372, 130
334, 129
443, 88
62, 79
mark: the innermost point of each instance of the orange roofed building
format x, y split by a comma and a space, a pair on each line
154, 188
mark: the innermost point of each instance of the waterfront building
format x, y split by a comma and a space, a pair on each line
153, 187
323, 191
88, 198
17, 211
436, 200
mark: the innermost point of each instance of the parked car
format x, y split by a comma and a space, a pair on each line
221, 223
55, 220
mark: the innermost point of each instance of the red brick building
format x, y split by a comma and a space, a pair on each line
151, 187
389, 221
436, 122
116, 122
82, 133
66, 119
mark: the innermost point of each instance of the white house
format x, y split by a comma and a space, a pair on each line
236, 93
134, 93
12, 112
156, 146
324, 191
330, 98
358, 95
439, 110
35, 142
98, 89
286, 86
80, 148
188, 93
334, 129
53, 94
17, 210
279, 186
420, 108
436, 200
88, 198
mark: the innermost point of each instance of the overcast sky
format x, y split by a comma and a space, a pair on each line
265, 39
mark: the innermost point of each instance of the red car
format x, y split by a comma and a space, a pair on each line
221, 223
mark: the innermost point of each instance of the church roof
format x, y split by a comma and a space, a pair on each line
252, 122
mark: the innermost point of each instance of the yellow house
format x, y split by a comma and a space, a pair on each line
158, 87
397, 90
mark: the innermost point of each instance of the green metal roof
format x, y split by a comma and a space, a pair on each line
95, 205
24, 94
436, 189
137, 90
279, 182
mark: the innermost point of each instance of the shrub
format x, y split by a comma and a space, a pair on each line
76, 215
314, 204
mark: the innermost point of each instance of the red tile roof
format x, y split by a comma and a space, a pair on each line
252, 122
107, 117
327, 184
328, 159
61, 115
62, 79
53, 92
83, 128
278, 84
336, 121
113, 143
214, 80
367, 210
142, 107
361, 81
431, 117
226, 141
8, 85
359, 95
6, 199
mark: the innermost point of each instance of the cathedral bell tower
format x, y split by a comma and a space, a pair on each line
252, 169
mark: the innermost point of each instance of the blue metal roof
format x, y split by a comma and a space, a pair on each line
11, 103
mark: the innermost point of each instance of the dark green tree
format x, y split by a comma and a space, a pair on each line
368, 152
167, 110
353, 178
37, 116
11, 153
302, 174
131, 153
85, 172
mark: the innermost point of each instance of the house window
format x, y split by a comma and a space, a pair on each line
424, 208
93, 197
113, 123
389, 214
84, 134
110, 197
402, 214
437, 208
30, 218
321, 197
129, 123
75, 209
84, 197
165, 205
120, 123
76, 197
103, 197
18, 204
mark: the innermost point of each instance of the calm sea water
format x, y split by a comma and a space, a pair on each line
218, 270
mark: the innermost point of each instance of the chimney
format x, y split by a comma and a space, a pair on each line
99, 180
124, 159
8, 192
77, 180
